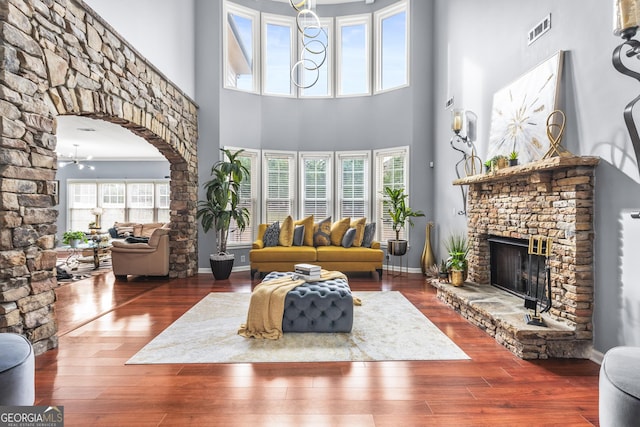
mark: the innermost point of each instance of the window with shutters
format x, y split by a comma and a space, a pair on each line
391, 170
352, 170
316, 170
279, 183
248, 198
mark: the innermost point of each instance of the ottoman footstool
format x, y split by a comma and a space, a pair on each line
17, 371
325, 306
620, 387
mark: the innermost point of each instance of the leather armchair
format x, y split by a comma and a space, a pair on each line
142, 259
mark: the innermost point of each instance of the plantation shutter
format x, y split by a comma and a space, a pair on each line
391, 170
316, 172
279, 185
248, 198
353, 185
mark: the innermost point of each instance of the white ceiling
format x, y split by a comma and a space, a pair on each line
101, 140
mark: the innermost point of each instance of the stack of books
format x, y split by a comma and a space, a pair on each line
307, 271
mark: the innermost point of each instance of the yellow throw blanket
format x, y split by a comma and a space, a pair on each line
266, 308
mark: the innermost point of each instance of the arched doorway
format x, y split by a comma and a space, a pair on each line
75, 65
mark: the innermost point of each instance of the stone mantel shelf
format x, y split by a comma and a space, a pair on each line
547, 165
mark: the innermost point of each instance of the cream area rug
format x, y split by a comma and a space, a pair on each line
386, 327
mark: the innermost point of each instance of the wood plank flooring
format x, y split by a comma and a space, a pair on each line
104, 322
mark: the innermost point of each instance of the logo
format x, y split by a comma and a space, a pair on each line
31, 416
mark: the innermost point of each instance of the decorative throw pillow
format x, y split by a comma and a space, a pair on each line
298, 235
358, 224
322, 233
286, 232
369, 233
308, 229
349, 236
338, 229
271, 235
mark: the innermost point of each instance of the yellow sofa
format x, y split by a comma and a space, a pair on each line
330, 257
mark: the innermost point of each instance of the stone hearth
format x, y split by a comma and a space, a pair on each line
550, 198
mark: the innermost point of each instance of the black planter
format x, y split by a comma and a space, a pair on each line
513, 162
221, 269
397, 247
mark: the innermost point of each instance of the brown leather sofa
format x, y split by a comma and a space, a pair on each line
142, 259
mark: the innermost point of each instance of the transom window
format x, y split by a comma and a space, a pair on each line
371, 53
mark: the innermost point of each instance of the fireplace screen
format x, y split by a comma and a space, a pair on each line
515, 271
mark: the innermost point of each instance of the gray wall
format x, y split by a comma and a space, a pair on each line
487, 48
104, 170
397, 118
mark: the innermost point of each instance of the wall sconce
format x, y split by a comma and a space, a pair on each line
467, 121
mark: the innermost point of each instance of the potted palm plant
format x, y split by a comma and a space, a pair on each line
401, 215
221, 206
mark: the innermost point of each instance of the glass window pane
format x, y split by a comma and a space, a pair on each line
317, 50
354, 61
278, 59
394, 51
240, 47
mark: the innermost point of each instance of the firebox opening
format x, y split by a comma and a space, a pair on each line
515, 271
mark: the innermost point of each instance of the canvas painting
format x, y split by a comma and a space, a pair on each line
520, 112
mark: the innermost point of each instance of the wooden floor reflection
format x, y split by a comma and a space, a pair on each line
103, 322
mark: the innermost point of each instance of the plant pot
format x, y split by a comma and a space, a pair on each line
221, 265
457, 277
74, 243
397, 247
513, 162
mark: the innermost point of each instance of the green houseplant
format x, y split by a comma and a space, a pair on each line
221, 206
74, 238
513, 158
457, 264
401, 215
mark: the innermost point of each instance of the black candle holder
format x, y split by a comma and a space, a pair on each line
630, 48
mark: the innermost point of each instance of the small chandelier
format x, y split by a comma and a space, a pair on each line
308, 24
75, 160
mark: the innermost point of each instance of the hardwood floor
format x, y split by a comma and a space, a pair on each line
104, 322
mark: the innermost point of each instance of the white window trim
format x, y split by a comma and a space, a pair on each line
254, 15
340, 156
344, 21
329, 63
378, 155
378, 17
284, 21
326, 155
293, 156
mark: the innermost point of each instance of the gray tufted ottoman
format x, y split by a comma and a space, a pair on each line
317, 306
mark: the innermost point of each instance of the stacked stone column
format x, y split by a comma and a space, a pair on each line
59, 57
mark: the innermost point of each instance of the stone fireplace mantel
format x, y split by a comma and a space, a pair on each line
551, 198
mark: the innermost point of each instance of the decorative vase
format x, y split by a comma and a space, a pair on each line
457, 277
74, 243
427, 259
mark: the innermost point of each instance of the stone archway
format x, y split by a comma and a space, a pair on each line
60, 57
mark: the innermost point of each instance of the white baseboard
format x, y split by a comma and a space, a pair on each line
596, 357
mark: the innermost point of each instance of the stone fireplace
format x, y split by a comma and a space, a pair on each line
552, 198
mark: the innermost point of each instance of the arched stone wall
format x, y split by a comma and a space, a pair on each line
59, 57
